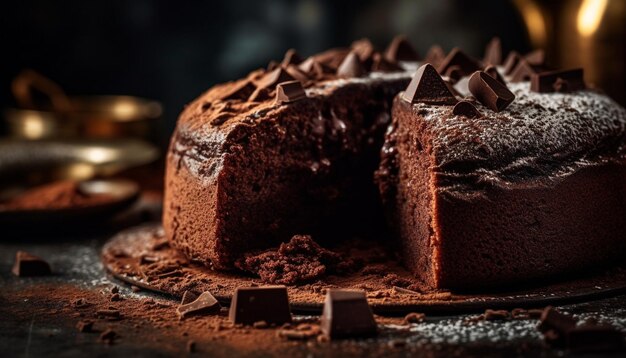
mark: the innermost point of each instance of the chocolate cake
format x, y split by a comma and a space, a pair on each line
483, 181
256, 161
489, 196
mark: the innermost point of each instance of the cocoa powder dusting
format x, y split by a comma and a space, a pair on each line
57, 195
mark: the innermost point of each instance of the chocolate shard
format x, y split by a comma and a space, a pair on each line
350, 66
364, 49
288, 92
466, 109
553, 320
272, 65
427, 86
236, 90
206, 303
347, 314
493, 72
296, 73
536, 57
511, 62
493, 53
591, 338
333, 57
30, 265
456, 57
434, 56
271, 79
491, 93
379, 63
558, 81
522, 72
291, 58
254, 304
400, 49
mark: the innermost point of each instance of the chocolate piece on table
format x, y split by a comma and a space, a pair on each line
205, 303
290, 91
380, 63
489, 91
456, 57
347, 314
466, 109
493, 53
551, 319
496, 315
549, 81
400, 49
434, 56
254, 304
427, 86
522, 72
291, 58
350, 66
333, 57
511, 62
536, 57
30, 265
493, 72
271, 79
588, 338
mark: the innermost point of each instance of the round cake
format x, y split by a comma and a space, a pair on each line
490, 174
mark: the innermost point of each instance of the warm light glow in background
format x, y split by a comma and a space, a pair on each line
590, 16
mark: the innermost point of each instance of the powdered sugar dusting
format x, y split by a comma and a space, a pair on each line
539, 138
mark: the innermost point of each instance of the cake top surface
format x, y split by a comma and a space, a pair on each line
539, 138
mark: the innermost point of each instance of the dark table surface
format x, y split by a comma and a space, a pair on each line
75, 261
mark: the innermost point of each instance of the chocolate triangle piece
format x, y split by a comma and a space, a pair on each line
241, 89
490, 92
427, 86
307, 65
206, 303
493, 72
333, 57
400, 49
456, 57
254, 304
536, 57
271, 79
466, 109
380, 63
434, 56
350, 67
288, 92
188, 297
30, 265
347, 314
291, 58
364, 49
493, 53
522, 72
296, 73
272, 65
558, 81
511, 62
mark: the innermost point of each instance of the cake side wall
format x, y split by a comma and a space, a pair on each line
190, 203
410, 211
509, 237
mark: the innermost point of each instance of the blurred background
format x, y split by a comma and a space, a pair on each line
165, 53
